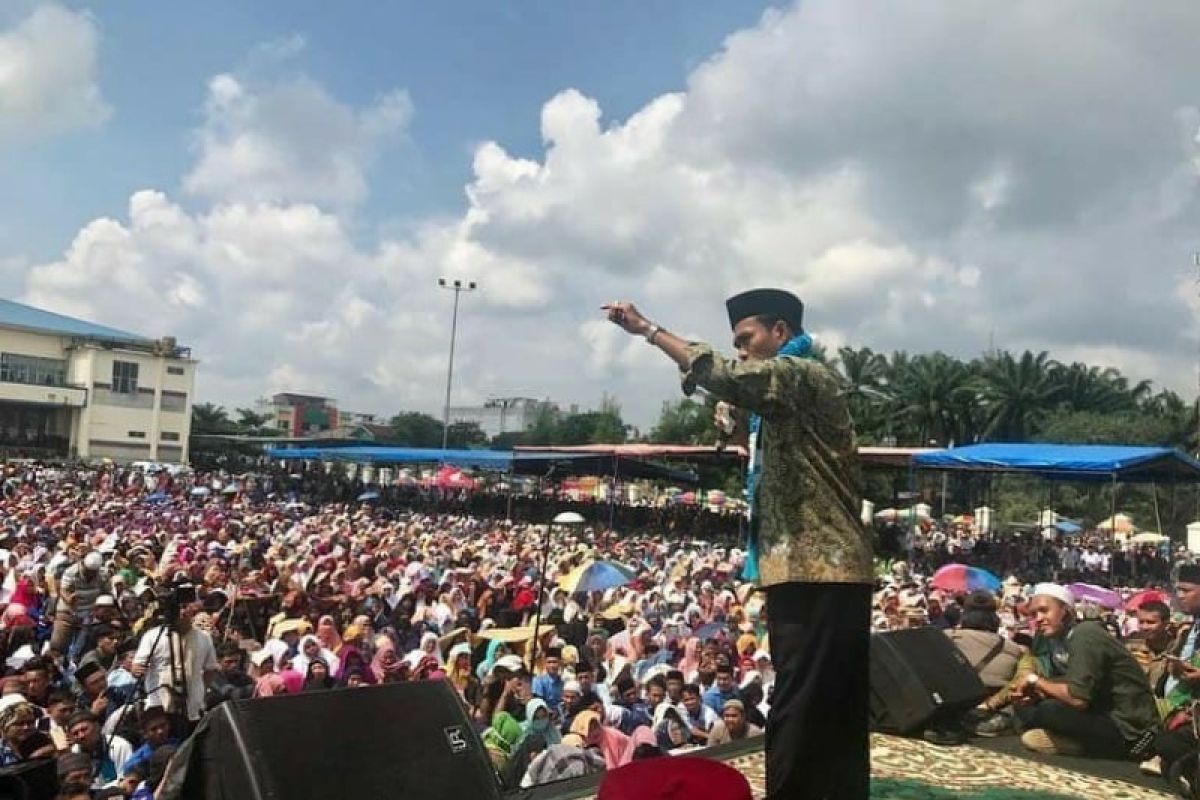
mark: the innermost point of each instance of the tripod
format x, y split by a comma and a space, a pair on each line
174, 690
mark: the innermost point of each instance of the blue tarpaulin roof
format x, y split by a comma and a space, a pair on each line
1068, 461
19, 315
499, 460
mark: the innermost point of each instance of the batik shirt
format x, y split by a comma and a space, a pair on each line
808, 497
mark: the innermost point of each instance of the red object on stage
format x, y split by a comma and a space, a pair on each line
675, 778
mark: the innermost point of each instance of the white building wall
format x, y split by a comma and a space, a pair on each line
99, 422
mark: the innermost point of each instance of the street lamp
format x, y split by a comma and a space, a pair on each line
458, 287
566, 519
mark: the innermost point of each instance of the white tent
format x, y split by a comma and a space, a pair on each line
1193, 536
1121, 523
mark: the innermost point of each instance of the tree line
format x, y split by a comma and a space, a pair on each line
895, 399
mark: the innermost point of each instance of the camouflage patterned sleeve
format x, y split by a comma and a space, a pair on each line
770, 388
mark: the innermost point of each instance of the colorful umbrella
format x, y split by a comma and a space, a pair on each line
1098, 595
1146, 596
596, 576
961, 579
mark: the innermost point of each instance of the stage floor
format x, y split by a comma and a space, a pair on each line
987, 763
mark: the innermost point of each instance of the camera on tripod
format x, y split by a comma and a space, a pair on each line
170, 599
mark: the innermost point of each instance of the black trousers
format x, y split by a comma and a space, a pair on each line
1096, 732
818, 745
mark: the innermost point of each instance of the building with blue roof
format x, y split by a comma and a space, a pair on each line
71, 389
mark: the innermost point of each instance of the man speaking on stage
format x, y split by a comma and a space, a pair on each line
807, 547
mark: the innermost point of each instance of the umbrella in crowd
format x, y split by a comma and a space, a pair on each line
366, 497
596, 576
962, 579
1146, 596
201, 491
710, 630
1098, 595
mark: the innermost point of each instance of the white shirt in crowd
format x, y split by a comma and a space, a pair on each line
193, 650
119, 751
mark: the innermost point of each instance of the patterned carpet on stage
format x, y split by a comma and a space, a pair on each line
909, 769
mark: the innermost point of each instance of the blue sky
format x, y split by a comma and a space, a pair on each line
280, 184
474, 71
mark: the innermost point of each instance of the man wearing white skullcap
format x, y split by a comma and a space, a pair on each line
1088, 695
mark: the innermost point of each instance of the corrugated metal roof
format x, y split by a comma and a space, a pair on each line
18, 315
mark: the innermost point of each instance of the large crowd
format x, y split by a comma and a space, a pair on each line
136, 600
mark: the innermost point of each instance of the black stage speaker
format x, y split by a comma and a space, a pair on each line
32, 780
403, 740
918, 676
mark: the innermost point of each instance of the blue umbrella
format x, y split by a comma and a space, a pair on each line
710, 630
368, 496
596, 576
158, 497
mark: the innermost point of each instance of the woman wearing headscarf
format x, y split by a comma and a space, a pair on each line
328, 635
353, 660
495, 651
458, 671
429, 645
317, 677
310, 649
270, 685
671, 729
293, 680
539, 719
689, 665
501, 739
616, 747
387, 666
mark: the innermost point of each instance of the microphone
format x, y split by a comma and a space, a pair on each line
726, 424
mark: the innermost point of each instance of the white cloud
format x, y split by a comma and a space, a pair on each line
48, 81
926, 177
289, 141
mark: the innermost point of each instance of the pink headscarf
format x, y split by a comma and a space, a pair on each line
270, 685
293, 680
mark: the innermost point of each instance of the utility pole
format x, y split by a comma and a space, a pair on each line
458, 287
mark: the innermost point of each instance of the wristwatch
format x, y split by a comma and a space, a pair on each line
651, 332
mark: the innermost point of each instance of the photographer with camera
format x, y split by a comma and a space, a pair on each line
176, 660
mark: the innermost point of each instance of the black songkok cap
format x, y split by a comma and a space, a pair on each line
1188, 573
773, 302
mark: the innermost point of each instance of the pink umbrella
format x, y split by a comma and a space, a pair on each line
1098, 595
1146, 596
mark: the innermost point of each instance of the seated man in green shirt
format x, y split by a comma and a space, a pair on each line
1089, 696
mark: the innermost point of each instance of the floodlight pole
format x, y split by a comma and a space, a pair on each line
458, 287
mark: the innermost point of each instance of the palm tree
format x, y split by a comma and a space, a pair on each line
928, 394
1018, 393
209, 418
1086, 388
863, 374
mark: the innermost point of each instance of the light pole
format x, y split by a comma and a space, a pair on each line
458, 287
566, 519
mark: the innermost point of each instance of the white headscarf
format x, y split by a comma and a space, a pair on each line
301, 662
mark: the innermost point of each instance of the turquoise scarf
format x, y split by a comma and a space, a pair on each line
800, 347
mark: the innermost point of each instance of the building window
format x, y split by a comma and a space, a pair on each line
15, 368
174, 370
137, 434
169, 436
125, 377
174, 401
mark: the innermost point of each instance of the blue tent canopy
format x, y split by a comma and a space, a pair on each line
535, 463
1083, 462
